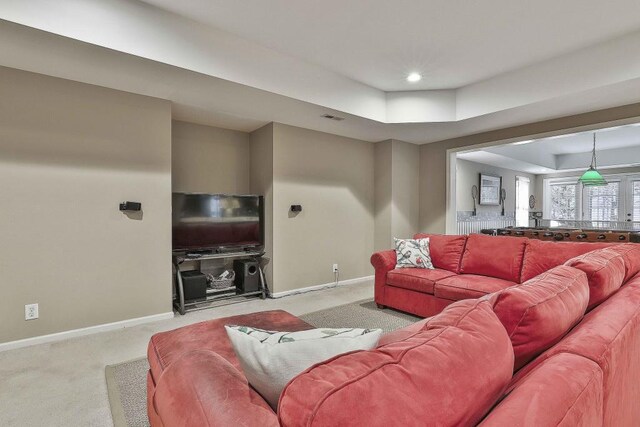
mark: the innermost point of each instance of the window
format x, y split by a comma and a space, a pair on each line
563, 201
602, 203
636, 200
522, 201
613, 205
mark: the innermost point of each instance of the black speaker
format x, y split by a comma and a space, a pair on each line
194, 284
247, 275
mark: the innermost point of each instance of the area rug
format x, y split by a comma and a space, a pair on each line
361, 314
126, 382
127, 389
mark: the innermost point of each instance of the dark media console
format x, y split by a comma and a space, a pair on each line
249, 281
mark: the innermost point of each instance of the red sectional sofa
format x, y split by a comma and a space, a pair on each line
560, 349
467, 267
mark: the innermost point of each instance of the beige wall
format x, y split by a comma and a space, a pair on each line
69, 154
467, 175
383, 187
406, 192
332, 178
261, 183
433, 183
207, 159
397, 208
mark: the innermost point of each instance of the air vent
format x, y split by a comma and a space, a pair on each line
332, 117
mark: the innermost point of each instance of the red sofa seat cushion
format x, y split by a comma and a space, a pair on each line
538, 313
550, 396
631, 255
494, 256
446, 250
465, 286
541, 256
416, 279
450, 373
166, 347
605, 270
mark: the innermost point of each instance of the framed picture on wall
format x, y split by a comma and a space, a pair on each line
490, 187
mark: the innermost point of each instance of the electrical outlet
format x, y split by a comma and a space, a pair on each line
335, 268
30, 311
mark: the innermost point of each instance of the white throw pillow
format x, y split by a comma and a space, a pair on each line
413, 253
271, 359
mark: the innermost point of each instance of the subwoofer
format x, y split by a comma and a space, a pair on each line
247, 275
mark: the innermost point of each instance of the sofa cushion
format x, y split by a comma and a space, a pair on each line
538, 313
609, 335
605, 270
446, 250
271, 359
413, 253
417, 279
631, 256
450, 373
541, 256
550, 397
465, 286
494, 256
166, 347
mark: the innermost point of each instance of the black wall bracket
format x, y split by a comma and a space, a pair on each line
130, 206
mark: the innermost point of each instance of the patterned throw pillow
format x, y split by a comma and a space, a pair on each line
413, 253
271, 359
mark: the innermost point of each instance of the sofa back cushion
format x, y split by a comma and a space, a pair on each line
540, 256
609, 335
539, 312
451, 372
631, 256
605, 269
446, 251
494, 256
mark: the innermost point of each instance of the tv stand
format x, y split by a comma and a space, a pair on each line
214, 295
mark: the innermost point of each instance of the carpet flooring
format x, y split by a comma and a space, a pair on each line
126, 382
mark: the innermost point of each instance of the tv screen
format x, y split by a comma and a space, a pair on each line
203, 222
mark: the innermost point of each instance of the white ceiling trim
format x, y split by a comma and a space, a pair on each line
148, 32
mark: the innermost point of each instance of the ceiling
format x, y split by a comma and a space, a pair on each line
617, 146
451, 43
486, 65
606, 139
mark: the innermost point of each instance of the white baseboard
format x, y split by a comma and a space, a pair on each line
84, 331
347, 282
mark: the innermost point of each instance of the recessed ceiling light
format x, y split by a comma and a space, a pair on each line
414, 77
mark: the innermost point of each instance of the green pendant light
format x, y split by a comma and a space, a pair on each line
592, 178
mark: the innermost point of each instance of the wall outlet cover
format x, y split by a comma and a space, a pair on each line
335, 268
31, 311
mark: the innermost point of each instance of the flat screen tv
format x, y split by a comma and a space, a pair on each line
217, 222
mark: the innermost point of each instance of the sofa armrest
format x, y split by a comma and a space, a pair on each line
203, 389
382, 262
